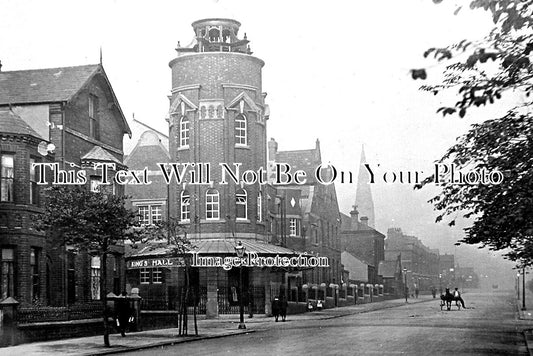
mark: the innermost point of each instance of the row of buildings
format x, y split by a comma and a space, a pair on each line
218, 115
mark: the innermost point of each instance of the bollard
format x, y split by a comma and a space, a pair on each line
136, 301
8, 308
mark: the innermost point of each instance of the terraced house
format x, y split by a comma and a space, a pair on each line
69, 116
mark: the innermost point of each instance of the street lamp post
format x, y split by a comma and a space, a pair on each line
239, 249
440, 283
523, 288
405, 283
518, 285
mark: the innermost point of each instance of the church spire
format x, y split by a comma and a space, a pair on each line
363, 195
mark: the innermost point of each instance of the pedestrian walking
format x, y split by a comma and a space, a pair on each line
276, 308
122, 313
457, 296
283, 309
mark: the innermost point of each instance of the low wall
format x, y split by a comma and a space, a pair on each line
31, 332
296, 308
152, 319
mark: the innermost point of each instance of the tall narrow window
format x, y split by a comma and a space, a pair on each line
212, 205
241, 204
34, 189
259, 207
157, 275
94, 129
294, 227
155, 212
240, 130
116, 275
185, 206
144, 214
8, 273
184, 132
95, 183
7, 174
35, 275
144, 274
95, 278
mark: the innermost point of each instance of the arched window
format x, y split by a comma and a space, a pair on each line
184, 131
226, 36
259, 207
212, 205
185, 206
241, 202
214, 35
240, 130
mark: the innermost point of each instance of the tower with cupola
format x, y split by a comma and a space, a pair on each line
218, 116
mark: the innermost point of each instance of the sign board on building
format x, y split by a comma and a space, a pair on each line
156, 262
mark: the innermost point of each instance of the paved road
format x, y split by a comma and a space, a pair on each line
487, 327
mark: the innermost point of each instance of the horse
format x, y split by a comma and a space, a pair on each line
447, 299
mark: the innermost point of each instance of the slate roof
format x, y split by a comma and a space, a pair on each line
97, 153
219, 247
305, 160
43, 85
49, 85
13, 124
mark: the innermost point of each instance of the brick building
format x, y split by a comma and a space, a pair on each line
313, 213
363, 242
23, 268
217, 116
421, 262
74, 108
150, 201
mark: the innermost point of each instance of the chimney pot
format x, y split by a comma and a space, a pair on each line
354, 223
364, 221
272, 149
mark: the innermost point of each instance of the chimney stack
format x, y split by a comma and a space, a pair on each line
354, 222
364, 222
272, 149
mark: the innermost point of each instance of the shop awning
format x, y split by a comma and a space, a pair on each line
163, 256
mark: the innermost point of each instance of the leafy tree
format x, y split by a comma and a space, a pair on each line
481, 73
171, 236
89, 221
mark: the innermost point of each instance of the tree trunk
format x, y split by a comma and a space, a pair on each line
195, 296
187, 298
103, 296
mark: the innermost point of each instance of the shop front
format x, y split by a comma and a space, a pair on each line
218, 279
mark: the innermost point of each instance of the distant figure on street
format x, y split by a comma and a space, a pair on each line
416, 291
433, 292
457, 296
310, 306
283, 309
122, 313
276, 308
319, 304
251, 302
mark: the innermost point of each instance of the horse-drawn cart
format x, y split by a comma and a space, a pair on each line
447, 300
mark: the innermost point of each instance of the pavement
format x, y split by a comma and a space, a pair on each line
526, 314
207, 328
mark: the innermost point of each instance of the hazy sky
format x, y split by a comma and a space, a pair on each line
335, 70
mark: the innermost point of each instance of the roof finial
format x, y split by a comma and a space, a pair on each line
0, 66
100, 55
